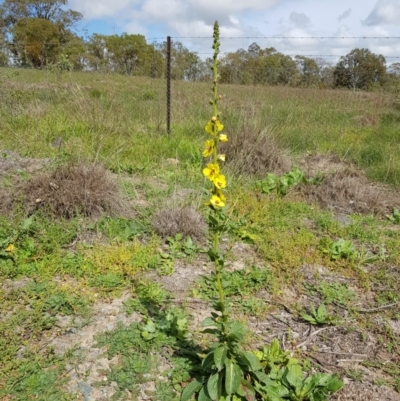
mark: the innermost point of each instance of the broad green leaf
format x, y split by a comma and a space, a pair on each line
308, 385
321, 312
334, 384
293, 375
251, 360
193, 387
208, 361
233, 376
237, 330
203, 395
220, 356
27, 223
212, 386
210, 331
208, 322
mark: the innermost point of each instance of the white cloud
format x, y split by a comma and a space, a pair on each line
300, 20
344, 15
384, 12
101, 8
243, 20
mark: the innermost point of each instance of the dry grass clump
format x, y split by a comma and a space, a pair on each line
68, 191
251, 151
345, 189
186, 220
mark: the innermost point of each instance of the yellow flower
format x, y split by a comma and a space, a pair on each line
217, 201
220, 181
10, 248
223, 138
209, 148
221, 157
211, 171
211, 124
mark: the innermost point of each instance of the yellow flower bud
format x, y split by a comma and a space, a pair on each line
223, 138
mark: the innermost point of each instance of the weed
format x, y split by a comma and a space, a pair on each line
318, 316
340, 249
120, 229
281, 185
180, 248
333, 292
226, 371
355, 374
395, 216
238, 283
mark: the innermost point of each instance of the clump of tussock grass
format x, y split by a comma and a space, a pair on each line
68, 191
254, 151
168, 222
345, 188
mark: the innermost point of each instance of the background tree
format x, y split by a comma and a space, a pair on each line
96, 53
42, 22
309, 70
37, 41
185, 65
258, 67
360, 69
131, 55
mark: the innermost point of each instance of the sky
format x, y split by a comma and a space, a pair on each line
243, 22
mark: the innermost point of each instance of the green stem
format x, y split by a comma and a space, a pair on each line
218, 267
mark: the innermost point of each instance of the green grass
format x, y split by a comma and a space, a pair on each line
120, 121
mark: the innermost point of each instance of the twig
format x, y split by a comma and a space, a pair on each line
372, 310
321, 364
379, 308
341, 353
312, 334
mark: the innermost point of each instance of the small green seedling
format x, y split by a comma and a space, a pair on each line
289, 180
395, 216
318, 316
341, 249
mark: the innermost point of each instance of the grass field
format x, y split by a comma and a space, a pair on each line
99, 302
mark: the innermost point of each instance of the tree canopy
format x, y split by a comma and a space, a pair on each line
360, 69
41, 33
36, 31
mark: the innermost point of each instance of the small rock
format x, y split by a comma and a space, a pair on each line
85, 389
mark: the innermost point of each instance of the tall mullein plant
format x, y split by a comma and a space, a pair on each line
227, 372
212, 171
225, 366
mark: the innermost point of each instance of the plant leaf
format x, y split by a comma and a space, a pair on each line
220, 357
212, 386
251, 361
190, 389
233, 376
203, 395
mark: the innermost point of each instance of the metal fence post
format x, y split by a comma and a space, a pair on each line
169, 85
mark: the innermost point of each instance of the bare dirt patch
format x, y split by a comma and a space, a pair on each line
75, 334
